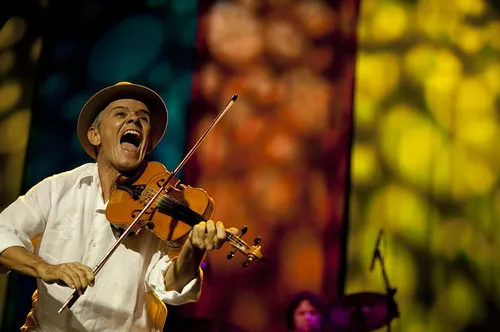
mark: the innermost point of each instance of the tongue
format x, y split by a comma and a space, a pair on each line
128, 147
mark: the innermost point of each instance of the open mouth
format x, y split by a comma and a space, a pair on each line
131, 140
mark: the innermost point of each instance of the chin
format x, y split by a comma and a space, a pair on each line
128, 165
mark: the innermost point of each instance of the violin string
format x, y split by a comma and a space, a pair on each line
170, 203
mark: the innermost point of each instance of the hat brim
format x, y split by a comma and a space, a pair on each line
99, 101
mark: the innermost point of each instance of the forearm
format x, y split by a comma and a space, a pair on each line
21, 260
184, 269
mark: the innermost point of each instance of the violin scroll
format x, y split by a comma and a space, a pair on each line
253, 253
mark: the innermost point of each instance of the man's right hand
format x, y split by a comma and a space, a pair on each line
73, 275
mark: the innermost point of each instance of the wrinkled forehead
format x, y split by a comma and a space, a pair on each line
128, 104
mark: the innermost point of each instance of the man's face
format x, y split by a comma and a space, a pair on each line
123, 134
307, 318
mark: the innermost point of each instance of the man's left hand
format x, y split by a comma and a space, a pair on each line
209, 235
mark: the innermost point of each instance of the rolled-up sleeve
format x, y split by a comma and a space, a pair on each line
155, 280
25, 219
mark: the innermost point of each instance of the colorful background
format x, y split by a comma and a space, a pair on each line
425, 161
413, 86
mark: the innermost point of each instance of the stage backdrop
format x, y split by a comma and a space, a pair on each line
20, 45
426, 161
278, 162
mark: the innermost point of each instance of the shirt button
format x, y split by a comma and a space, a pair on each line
93, 244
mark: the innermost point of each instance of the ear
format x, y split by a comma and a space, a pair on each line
93, 136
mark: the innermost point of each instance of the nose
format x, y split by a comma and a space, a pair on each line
133, 118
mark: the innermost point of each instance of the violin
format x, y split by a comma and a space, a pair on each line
156, 200
173, 213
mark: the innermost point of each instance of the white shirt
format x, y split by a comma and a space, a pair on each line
68, 211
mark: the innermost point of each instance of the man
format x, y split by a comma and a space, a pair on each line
117, 127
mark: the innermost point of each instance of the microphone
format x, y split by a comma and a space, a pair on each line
376, 252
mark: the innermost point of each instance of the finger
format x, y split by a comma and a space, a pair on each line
65, 280
221, 231
74, 277
201, 233
81, 275
233, 230
89, 273
209, 241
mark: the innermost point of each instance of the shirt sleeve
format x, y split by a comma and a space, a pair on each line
25, 219
155, 280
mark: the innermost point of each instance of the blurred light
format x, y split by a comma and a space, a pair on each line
403, 212
43, 3
480, 134
284, 42
10, 93
302, 246
282, 148
234, 35
377, 74
36, 49
210, 78
440, 88
12, 32
460, 303
124, 52
479, 176
390, 22
307, 91
437, 18
366, 112
470, 7
410, 144
277, 192
491, 76
470, 39
365, 168
316, 17
473, 99
14, 132
431, 65
7, 61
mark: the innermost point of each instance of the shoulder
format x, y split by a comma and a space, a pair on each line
68, 178
78, 173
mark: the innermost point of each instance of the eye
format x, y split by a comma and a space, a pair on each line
120, 114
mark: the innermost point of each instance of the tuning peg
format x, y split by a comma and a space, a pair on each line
247, 262
243, 231
257, 241
230, 254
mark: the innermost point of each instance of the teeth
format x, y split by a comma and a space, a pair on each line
134, 132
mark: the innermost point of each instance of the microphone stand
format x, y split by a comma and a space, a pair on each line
392, 310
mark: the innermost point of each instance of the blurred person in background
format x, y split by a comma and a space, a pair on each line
117, 127
305, 313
